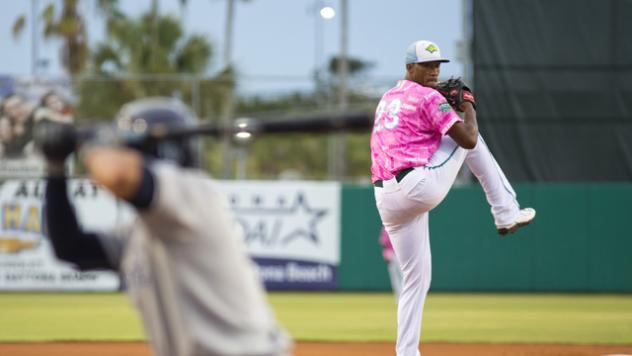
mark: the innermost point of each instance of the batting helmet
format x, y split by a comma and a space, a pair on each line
138, 116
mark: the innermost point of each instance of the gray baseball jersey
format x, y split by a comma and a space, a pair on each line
189, 275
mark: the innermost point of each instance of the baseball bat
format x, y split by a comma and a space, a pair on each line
321, 124
242, 129
57, 138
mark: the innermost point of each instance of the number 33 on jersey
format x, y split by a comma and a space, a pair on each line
387, 114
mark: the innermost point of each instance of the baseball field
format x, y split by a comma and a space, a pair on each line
332, 324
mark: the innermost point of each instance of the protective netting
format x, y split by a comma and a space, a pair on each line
553, 81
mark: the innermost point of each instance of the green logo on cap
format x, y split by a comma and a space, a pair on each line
432, 48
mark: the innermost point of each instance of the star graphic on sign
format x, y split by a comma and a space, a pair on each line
303, 222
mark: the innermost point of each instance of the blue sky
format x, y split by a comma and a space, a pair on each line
275, 41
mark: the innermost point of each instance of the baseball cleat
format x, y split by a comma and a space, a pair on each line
525, 216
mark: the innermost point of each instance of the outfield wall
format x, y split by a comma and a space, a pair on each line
323, 236
579, 241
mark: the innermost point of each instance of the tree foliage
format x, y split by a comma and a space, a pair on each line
145, 56
68, 24
151, 55
356, 65
307, 155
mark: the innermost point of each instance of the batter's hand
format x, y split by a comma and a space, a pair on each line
55, 140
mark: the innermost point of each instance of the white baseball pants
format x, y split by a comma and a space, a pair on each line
395, 275
404, 209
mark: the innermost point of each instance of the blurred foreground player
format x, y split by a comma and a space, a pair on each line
183, 260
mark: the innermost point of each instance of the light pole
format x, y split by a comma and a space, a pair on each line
244, 130
228, 33
318, 45
334, 145
228, 107
337, 151
322, 13
34, 29
343, 73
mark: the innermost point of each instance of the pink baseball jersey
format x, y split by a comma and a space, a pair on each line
409, 123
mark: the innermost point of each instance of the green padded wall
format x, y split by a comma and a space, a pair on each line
361, 264
580, 241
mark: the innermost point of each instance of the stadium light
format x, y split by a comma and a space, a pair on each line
327, 12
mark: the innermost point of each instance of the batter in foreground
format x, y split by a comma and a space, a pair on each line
418, 145
184, 263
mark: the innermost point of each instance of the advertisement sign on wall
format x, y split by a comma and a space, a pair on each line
27, 261
291, 229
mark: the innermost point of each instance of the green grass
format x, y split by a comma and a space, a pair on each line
601, 319
528, 318
44, 317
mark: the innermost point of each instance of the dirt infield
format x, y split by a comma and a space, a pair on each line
326, 349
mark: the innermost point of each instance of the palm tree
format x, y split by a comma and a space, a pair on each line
143, 56
69, 26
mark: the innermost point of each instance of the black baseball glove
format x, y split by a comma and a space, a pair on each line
456, 92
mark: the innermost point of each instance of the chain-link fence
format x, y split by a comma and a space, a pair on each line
219, 100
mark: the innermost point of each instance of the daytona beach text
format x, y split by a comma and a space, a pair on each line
294, 273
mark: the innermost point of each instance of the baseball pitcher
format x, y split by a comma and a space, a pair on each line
418, 145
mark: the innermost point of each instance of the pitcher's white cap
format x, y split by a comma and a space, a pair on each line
424, 51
